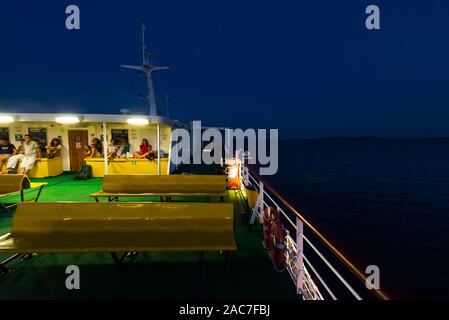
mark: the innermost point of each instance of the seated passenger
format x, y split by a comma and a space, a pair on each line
7, 150
31, 153
143, 150
54, 148
112, 149
95, 149
123, 148
146, 151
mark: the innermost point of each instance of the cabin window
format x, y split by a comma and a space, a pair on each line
4, 133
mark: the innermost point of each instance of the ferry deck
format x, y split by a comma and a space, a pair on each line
248, 273
148, 275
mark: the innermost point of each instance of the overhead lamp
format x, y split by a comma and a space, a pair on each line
6, 119
138, 121
67, 119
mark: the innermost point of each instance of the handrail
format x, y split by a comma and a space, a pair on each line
329, 291
356, 271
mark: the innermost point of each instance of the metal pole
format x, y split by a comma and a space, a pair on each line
158, 149
105, 149
299, 258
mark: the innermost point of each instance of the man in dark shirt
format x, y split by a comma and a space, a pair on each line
6, 151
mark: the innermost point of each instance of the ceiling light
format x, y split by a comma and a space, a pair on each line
138, 121
67, 119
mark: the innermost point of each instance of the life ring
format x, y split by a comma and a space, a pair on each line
274, 238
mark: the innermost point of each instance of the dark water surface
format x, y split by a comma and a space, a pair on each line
386, 201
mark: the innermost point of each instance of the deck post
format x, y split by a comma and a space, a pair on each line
158, 149
258, 208
105, 149
245, 174
299, 259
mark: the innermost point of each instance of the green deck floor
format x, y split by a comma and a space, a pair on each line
248, 275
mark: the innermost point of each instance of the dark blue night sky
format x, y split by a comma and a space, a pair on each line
309, 68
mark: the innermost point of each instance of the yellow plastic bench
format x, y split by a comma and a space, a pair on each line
67, 227
44, 168
13, 184
123, 166
116, 186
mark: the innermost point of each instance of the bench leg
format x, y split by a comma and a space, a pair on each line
28, 256
4, 269
5, 208
4, 263
96, 200
131, 255
118, 261
221, 199
115, 258
38, 193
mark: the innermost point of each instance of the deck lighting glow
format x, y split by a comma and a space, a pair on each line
67, 120
6, 119
233, 172
138, 121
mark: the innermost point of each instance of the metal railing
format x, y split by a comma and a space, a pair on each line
310, 283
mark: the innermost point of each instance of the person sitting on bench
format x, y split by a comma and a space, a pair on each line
54, 148
95, 150
7, 150
112, 149
145, 150
31, 153
123, 149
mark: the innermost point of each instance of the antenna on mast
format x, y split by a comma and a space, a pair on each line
143, 26
147, 68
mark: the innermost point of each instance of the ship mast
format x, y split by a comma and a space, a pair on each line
148, 69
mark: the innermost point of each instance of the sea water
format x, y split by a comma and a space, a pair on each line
386, 201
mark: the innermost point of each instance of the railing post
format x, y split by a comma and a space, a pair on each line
299, 259
245, 174
258, 208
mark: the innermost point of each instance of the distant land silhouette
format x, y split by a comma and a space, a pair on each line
367, 138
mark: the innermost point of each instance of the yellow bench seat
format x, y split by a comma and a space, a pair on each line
15, 184
115, 186
102, 194
44, 167
120, 227
123, 166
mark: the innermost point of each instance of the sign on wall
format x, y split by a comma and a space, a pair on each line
118, 134
4, 133
39, 135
